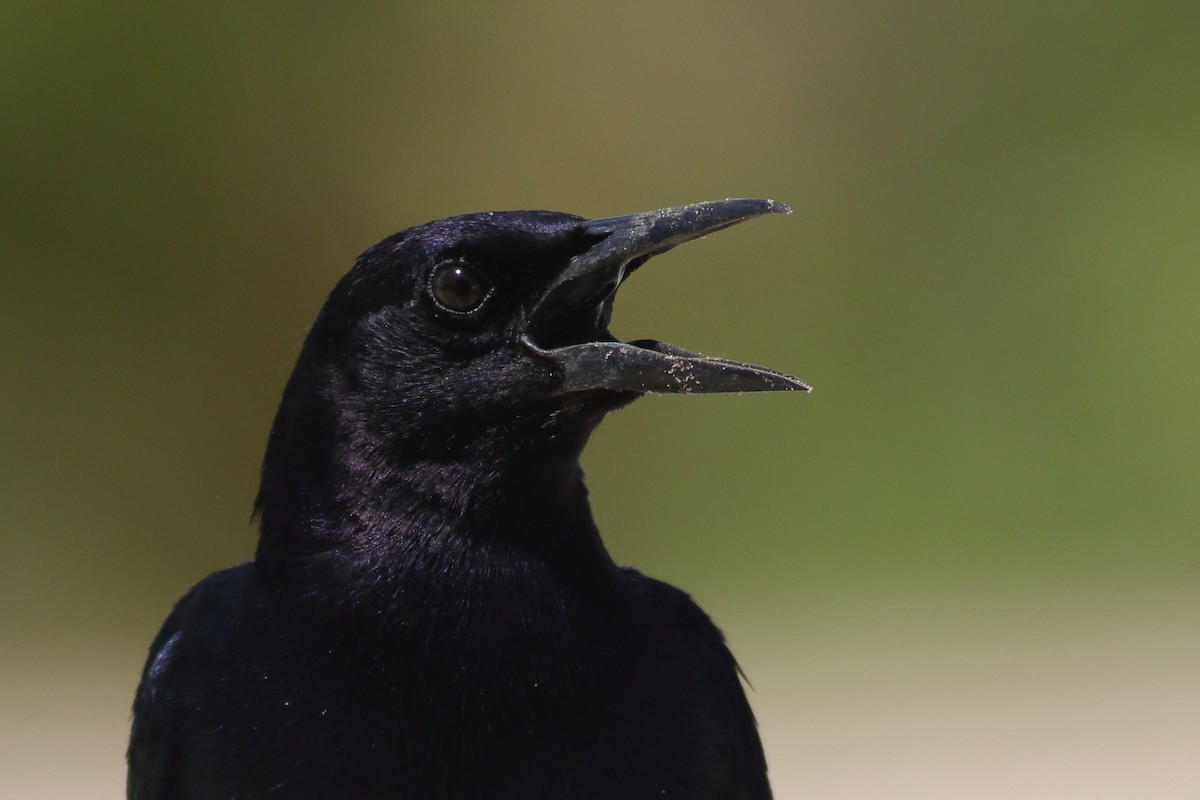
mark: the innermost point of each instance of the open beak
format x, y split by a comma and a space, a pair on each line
569, 326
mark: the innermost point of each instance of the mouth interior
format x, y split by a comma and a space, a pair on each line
562, 322
587, 323
558, 325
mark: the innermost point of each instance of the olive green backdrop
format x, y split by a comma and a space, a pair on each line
965, 566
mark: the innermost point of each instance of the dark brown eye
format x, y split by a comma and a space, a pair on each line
458, 288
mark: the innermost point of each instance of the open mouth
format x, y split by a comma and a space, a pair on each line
556, 326
570, 324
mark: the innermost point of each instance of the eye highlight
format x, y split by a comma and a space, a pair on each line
458, 288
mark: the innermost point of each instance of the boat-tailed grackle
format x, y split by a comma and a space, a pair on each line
431, 613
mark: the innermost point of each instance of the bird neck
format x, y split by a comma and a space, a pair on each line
351, 506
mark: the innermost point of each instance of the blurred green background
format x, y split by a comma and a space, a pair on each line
965, 566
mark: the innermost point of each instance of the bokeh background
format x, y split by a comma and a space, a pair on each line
965, 566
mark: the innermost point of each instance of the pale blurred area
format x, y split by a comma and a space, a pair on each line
965, 567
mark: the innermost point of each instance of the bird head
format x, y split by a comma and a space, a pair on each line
483, 338
462, 323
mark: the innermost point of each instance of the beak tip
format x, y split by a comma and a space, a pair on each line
776, 207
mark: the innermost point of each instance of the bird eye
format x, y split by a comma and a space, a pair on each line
458, 288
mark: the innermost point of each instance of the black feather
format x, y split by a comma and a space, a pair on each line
431, 612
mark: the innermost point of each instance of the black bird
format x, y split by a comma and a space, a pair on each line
430, 612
